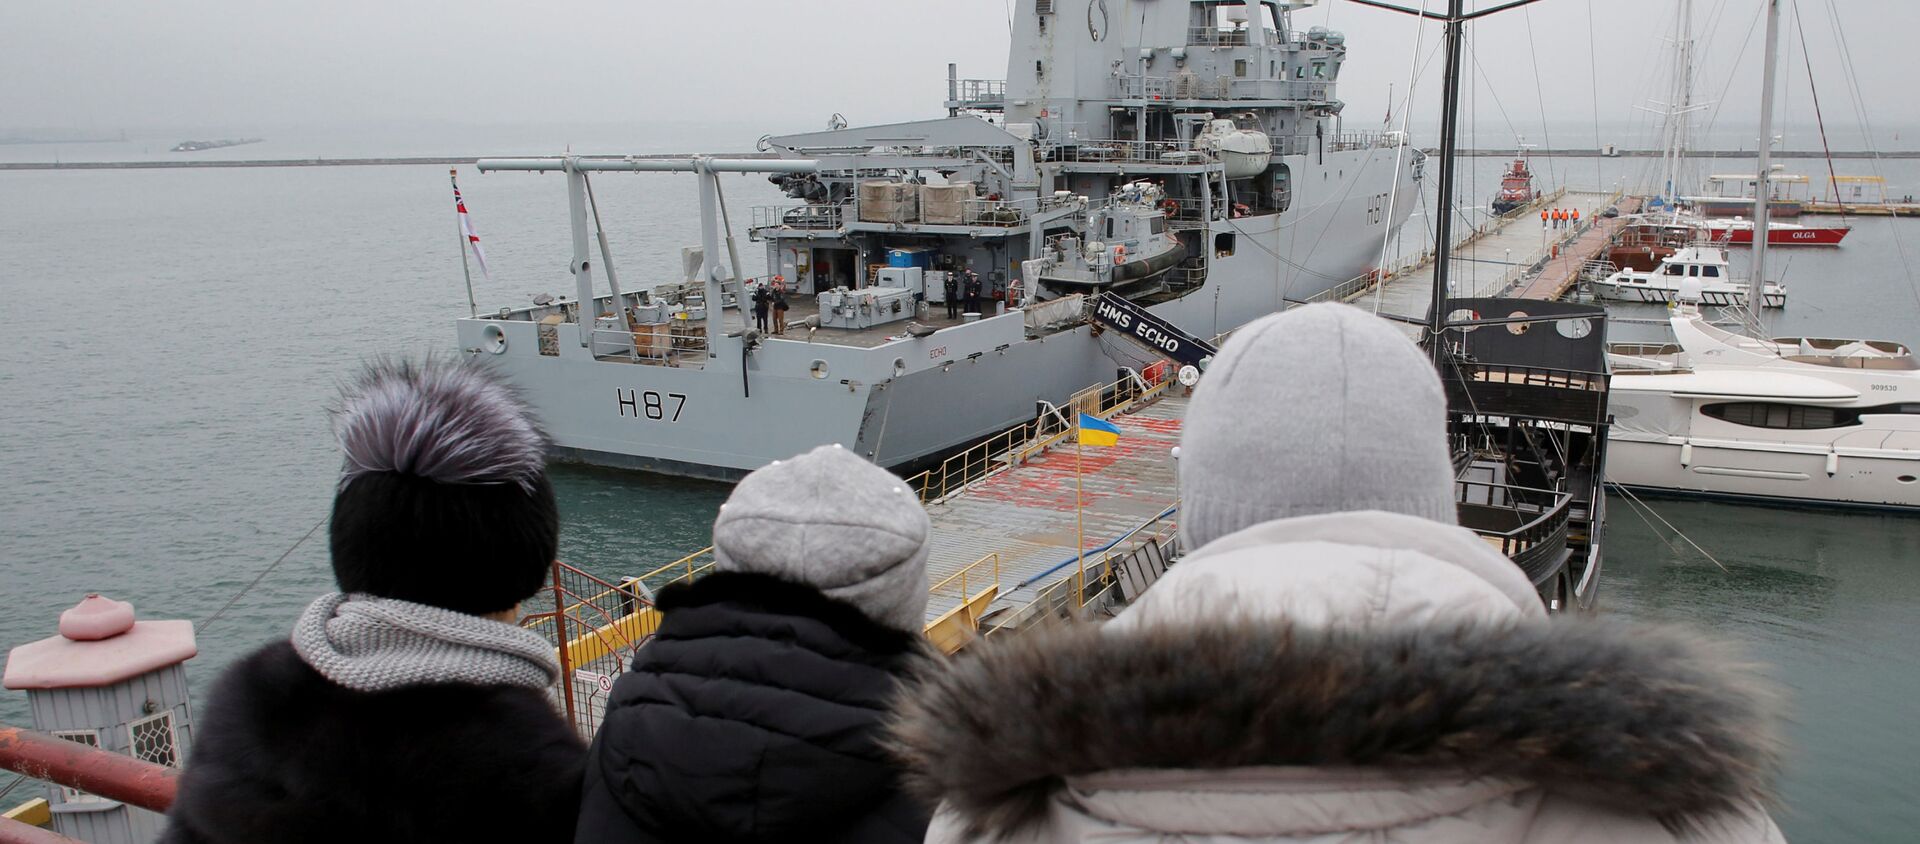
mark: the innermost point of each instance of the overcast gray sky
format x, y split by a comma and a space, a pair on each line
108, 65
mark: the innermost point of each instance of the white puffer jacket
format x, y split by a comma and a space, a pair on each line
1356, 677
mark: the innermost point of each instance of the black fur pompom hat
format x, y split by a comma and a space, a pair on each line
443, 498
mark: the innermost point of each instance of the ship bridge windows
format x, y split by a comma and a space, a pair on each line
1157, 225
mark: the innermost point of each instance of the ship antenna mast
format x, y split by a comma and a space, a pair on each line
1455, 19
1763, 191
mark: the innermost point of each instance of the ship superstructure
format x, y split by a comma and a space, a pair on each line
1185, 154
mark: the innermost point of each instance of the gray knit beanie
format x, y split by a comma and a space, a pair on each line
1320, 409
833, 521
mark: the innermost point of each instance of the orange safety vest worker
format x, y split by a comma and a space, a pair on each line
1543, 215
1576, 215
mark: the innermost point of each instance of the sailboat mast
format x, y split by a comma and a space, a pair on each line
1763, 189
1443, 227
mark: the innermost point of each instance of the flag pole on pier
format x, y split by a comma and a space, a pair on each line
464, 228
1094, 431
1079, 503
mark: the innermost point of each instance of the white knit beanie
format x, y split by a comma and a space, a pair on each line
831, 520
1320, 409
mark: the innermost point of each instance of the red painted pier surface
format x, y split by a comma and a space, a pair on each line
1026, 513
1562, 272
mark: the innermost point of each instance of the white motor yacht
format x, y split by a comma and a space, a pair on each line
1706, 265
1799, 420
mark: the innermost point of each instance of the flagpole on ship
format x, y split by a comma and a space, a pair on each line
460, 232
1079, 504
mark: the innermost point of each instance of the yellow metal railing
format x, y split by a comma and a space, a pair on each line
970, 593
960, 584
686, 568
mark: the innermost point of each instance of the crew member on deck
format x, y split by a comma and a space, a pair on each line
779, 305
952, 288
1575, 216
761, 300
973, 291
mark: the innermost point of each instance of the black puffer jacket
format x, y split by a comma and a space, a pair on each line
283, 755
754, 715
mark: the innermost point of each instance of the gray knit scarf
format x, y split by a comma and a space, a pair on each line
373, 644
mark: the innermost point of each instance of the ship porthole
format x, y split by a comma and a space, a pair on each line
899, 367
1518, 327
1574, 329
1907, 479
1465, 315
493, 338
819, 368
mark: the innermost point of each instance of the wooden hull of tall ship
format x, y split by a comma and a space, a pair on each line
1742, 235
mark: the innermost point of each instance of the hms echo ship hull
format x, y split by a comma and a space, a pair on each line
916, 397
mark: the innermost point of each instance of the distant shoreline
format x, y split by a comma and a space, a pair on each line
312, 162
468, 160
1692, 153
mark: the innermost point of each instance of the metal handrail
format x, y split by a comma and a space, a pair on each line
114, 776
1527, 534
964, 576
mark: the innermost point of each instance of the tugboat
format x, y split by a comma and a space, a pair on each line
1516, 188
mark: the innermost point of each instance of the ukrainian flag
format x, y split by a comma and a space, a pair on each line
1097, 431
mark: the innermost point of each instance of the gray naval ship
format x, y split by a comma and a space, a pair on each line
1183, 154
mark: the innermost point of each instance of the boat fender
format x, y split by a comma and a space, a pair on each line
1120, 253
1833, 463
1686, 455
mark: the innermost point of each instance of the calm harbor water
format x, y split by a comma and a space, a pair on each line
171, 339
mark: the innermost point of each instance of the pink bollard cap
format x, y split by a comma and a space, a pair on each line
96, 618
100, 643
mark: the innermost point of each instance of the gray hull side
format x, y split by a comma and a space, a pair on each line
916, 397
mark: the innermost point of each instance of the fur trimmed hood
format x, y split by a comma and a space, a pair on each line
1637, 720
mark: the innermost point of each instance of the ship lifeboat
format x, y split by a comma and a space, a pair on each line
1243, 153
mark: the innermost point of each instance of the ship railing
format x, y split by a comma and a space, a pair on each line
1307, 143
1529, 526
1013, 212
1129, 152
1130, 86
1213, 36
1096, 579
103, 773
672, 343
806, 216
974, 93
1345, 290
